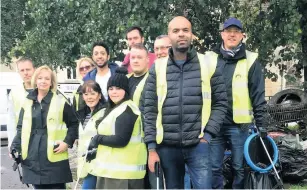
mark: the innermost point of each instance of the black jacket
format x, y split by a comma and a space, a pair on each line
181, 112
36, 168
255, 84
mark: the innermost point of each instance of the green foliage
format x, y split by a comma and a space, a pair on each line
12, 26
58, 32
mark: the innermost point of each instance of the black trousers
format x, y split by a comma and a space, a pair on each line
50, 186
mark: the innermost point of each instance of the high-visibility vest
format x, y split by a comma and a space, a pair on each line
139, 89
56, 128
242, 107
76, 95
207, 64
18, 97
128, 162
85, 136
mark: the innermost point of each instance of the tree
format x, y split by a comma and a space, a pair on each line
12, 26
63, 30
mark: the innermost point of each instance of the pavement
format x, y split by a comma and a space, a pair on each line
10, 179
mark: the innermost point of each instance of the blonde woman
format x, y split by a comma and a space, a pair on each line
84, 65
46, 128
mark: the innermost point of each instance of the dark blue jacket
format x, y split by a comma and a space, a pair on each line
92, 75
255, 84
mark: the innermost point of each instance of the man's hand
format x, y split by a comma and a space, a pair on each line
62, 147
152, 159
202, 140
263, 132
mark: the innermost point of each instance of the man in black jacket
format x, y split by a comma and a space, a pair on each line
245, 89
183, 139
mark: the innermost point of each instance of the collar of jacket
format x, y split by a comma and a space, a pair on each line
239, 55
86, 110
92, 74
190, 54
33, 96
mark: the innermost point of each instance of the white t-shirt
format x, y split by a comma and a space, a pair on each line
103, 82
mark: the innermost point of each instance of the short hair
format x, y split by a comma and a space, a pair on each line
38, 71
135, 28
23, 59
161, 36
92, 85
101, 43
139, 46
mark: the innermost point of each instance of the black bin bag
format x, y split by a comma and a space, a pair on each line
256, 179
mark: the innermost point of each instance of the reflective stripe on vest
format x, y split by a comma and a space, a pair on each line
56, 128
85, 136
207, 64
121, 167
139, 89
127, 162
242, 107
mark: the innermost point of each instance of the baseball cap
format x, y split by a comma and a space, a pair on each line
233, 22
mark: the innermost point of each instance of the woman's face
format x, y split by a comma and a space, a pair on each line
43, 80
91, 98
116, 94
84, 68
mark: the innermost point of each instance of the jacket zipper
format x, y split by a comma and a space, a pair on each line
180, 100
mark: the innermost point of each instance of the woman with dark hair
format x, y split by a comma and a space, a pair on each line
94, 100
121, 157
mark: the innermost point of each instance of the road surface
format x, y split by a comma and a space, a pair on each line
9, 178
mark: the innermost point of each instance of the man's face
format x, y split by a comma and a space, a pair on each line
180, 34
139, 61
134, 37
100, 56
161, 47
26, 70
232, 37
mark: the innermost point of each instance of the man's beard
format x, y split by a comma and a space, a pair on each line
182, 49
103, 65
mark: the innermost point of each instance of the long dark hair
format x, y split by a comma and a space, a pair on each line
110, 106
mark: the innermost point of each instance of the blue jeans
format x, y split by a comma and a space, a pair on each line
89, 182
187, 179
197, 158
236, 138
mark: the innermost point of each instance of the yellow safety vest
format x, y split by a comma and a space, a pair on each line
207, 64
128, 162
242, 107
85, 136
76, 95
56, 128
18, 96
139, 89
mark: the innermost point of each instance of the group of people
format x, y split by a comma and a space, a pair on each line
176, 107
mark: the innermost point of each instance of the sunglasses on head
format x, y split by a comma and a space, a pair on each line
85, 68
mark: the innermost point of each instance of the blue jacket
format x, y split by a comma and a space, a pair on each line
92, 75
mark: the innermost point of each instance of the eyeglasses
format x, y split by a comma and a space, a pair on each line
85, 68
232, 31
162, 48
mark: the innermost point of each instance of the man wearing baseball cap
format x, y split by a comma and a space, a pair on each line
245, 90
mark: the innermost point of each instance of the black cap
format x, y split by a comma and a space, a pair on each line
119, 79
